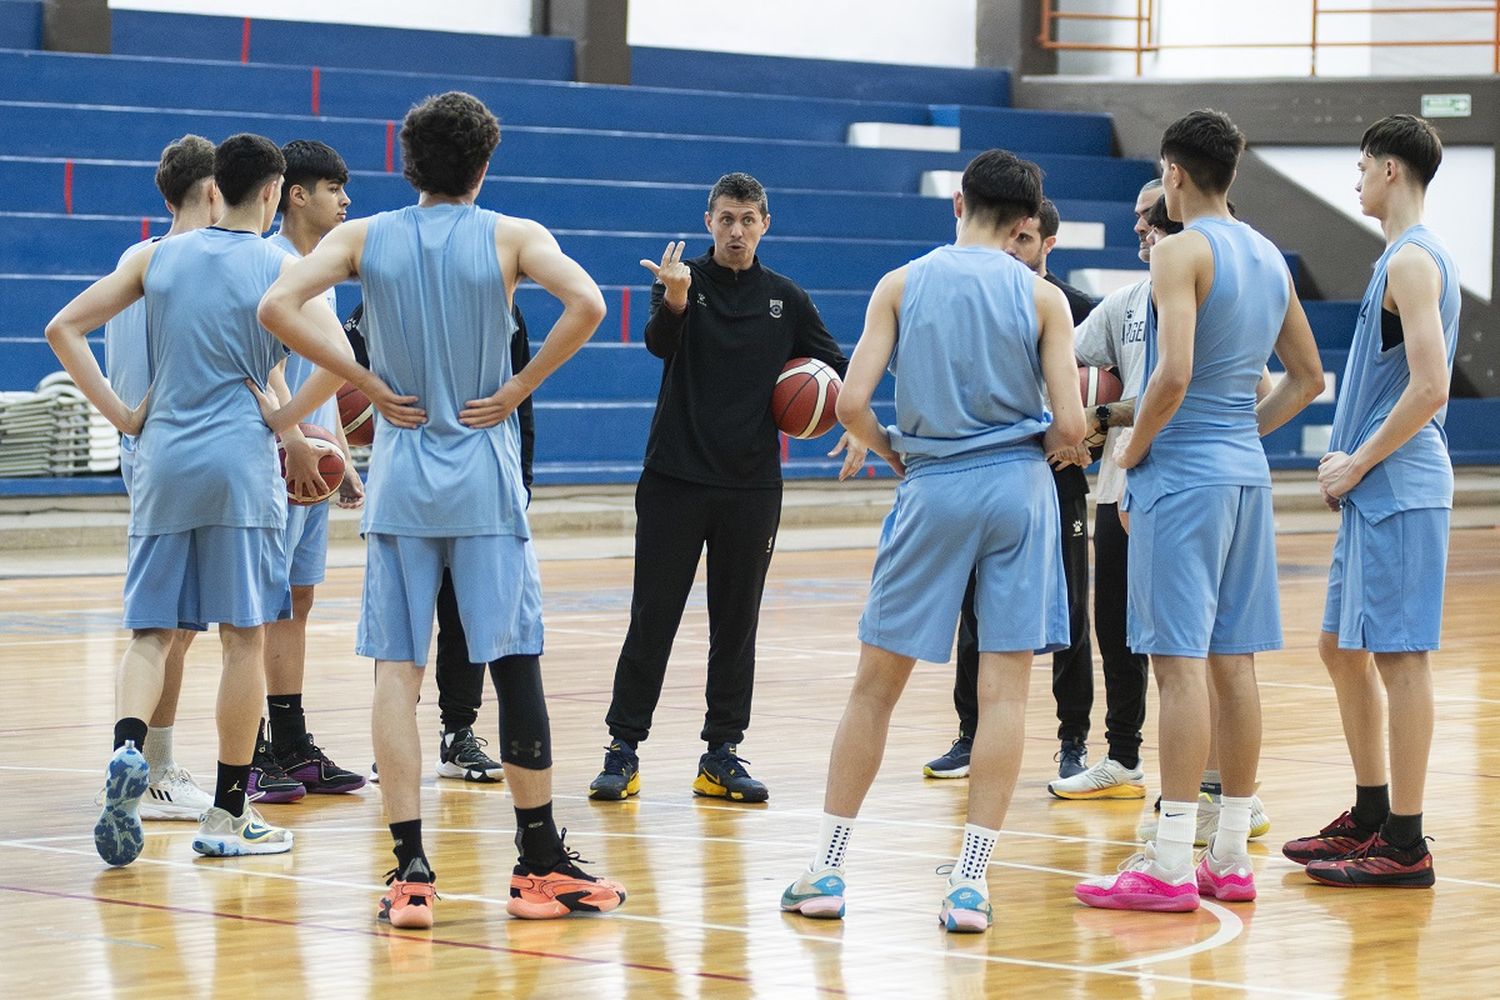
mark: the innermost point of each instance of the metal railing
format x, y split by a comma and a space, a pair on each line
1146, 29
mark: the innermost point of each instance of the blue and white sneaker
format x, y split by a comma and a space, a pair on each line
966, 908
954, 763
118, 836
222, 835
818, 894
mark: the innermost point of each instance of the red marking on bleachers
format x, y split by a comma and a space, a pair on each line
316, 88
786, 447
68, 186
245, 42
145, 228
390, 147
624, 315
870, 471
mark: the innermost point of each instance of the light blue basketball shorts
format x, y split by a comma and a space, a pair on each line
216, 574
1203, 573
307, 543
127, 460
495, 578
996, 516
1385, 586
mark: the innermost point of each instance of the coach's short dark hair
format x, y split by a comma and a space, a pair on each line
1047, 220
307, 162
1157, 218
1410, 139
1207, 145
243, 163
739, 187
183, 164
1000, 187
446, 141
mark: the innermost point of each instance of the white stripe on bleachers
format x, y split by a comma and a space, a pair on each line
1100, 281
1326, 396
1315, 438
892, 135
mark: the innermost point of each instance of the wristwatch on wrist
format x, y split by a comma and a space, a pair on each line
1101, 413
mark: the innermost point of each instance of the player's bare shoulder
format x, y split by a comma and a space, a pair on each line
1049, 300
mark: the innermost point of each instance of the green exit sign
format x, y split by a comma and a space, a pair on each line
1447, 105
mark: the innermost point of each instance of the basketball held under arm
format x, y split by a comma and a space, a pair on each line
1178, 263
872, 355
68, 331
1298, 351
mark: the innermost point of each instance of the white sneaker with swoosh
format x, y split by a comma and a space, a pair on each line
222, 835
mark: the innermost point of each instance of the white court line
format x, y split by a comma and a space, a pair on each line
883, 949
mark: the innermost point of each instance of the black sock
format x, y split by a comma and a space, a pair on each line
1211, 787
229, 790
630, 745
408, 848
1130, 760
287, 723
1402, 831
130, 729
537, 840
1372, 804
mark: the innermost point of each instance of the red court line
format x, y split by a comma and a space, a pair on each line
390, 147
68, 186
786, 447
624, 315
317, 82
380, 933
245, 42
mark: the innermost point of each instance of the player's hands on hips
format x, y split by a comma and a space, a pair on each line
1127, 454
1337, 475
491, 410
302, 476
854, 455
270, 407
399, 411
673, 274
135, 419
352, 489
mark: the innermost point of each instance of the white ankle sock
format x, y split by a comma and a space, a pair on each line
158, 750
833, 841
1175, 834
974, 861
1233, 835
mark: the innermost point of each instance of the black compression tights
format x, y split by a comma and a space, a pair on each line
525, 732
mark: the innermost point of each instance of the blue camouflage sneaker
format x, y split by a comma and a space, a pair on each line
118, 836
966, 908
1072, 758
954, 763
621, 776
818, 894
722, 775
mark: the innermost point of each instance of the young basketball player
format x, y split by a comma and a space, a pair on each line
1072, 668
445, 490
971, 335
724, 326
1388, 473
1198, 494
288, 762
207, 502
185, 178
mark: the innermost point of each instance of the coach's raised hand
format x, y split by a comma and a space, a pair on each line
673, 274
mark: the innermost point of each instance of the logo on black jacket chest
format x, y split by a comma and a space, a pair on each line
775, 308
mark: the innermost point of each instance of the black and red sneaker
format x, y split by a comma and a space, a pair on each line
1333, 841
1377, 863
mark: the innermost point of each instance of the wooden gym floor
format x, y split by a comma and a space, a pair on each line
704, 876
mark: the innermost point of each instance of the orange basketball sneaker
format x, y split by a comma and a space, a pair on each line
407, 903
538, 893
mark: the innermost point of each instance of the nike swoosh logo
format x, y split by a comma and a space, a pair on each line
277, 704
1174, 815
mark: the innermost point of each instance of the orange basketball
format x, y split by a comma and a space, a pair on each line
804, 399
330, 464
1098, 386
357, 415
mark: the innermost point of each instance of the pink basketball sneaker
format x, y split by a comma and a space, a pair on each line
1141, 884
1231, 880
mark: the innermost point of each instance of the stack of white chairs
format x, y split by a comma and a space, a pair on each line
55, 431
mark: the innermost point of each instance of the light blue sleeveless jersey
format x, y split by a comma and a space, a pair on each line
1212, 439
967, 363
205, 456
1418, 474
298, 368
125, 357
438, 327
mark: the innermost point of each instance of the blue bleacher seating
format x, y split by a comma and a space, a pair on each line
20, 24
